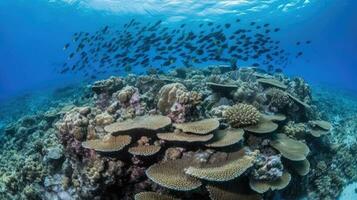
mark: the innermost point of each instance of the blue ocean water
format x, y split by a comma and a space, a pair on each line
33, 33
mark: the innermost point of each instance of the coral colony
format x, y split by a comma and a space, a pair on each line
210, 134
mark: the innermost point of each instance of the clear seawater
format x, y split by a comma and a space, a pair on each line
33, 33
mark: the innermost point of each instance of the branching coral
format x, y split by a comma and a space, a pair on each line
241, 115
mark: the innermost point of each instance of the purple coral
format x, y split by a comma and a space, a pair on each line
135, 102
103, 100
73, 146
267, 168
177, 113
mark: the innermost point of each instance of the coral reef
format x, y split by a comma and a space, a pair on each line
201, 131
241, 115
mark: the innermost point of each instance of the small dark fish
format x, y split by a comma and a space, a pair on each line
210, 23
237, 20
227, 25
252, 23
199, 52
71, 55
266, 25
299, 54
277, 29
278, 70
105, 29
66, 46
64, 70
182, 25
308, 42
297, 43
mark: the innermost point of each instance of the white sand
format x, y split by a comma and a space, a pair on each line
349, 192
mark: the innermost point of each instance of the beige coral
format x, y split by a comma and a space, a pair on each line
176, 93
264, 186
226, 172
74, 123
170, 174
241, 115
198, 127
168, 95
278, 98
153, 196
144, 150
108, 144
125, 94
103, 119
146, 122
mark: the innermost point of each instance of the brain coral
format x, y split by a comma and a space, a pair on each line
125, 94
241, 115
168, 95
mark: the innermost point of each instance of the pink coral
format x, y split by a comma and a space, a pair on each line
268, 167
177, 113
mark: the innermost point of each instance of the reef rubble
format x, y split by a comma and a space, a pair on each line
214, 134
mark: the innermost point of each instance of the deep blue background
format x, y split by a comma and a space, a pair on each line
32, 35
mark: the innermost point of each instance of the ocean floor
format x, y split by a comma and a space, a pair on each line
349, 192
123, 137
